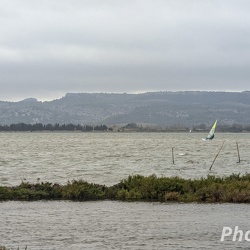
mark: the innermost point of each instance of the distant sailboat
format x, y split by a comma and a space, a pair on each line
210, 135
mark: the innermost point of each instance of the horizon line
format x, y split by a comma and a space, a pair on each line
123, 93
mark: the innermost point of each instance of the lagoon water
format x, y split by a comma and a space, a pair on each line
120, 225
106, 158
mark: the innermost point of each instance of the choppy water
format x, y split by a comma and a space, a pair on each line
107, 158
120, 225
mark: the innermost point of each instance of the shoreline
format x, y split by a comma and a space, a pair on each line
124, 132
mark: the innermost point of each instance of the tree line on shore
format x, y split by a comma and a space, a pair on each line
51, 127
234, 188
235, 128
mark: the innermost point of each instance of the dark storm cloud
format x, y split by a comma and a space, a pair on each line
48, 48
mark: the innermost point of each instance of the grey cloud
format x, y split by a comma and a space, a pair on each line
123, 46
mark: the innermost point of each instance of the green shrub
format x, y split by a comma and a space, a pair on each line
234, 188
81, 190
172, 196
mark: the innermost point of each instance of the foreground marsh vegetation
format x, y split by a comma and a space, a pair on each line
233, 188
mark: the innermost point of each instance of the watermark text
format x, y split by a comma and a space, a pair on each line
235, 234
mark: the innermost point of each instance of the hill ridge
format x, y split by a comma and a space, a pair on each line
161, 108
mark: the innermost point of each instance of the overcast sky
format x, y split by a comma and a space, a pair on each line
51, 47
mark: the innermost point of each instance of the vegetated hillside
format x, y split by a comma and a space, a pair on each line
185, 108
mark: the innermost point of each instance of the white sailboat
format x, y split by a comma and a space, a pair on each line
210, 135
